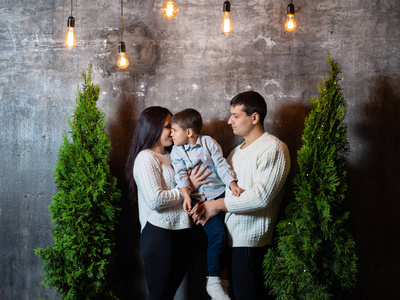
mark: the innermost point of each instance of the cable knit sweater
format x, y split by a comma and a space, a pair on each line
160, 203
261, 170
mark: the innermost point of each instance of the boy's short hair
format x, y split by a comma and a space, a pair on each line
252, 102
188, 118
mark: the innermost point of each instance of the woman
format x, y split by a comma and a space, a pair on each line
165, 227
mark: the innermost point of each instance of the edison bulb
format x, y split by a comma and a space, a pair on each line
70, 39
123, 61
290, 23
226, 25
169, 9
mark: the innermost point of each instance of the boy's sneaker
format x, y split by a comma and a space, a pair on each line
215, 290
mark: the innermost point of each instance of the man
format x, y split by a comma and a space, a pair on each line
261, 164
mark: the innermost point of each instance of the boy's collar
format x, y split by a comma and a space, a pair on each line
189, 146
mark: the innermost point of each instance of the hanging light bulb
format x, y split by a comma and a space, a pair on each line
123, 62
226, 25
169, 9
290, 23
70, 39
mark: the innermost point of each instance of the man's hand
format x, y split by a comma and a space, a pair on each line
205, 210
198, 177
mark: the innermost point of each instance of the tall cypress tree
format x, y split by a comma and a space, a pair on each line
84, 210
315, 256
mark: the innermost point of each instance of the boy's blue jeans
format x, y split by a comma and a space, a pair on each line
217, 241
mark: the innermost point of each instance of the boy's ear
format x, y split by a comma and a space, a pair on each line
189, 132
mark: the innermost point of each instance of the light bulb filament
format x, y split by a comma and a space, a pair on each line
290, 24
70, 40
227, 24
123, 61
169, 9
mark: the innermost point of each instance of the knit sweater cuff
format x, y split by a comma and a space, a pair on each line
231, 204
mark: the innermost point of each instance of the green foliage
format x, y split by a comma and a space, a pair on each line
85, 208
315, 256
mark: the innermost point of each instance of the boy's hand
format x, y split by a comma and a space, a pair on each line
187, 205
236, 191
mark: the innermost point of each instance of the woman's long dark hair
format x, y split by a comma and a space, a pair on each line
146, 134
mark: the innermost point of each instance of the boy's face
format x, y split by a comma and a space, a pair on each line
179, 136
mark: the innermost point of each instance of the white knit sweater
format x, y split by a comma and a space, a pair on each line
160, 203
261, 170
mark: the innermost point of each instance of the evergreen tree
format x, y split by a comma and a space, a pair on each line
84, 210
315, 256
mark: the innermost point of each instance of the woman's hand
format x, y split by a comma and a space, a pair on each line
198, 177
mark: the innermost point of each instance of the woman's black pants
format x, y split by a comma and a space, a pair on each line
166, 255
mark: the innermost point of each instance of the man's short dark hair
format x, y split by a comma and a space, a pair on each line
188, 118
252, 102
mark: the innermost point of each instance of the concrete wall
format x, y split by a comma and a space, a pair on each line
184, 63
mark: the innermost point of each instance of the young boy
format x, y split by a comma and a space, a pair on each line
191, 149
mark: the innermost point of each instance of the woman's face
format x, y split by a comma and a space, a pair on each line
165, 139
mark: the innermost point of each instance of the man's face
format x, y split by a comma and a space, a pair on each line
179, 136
240, 122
